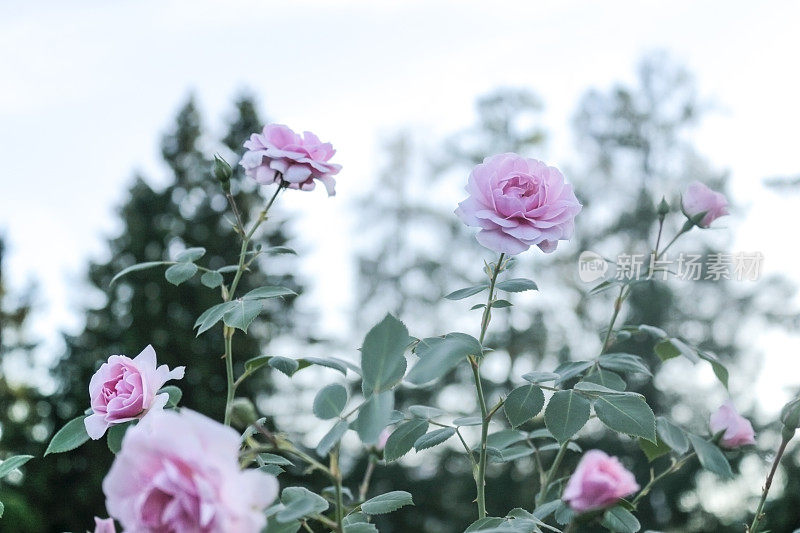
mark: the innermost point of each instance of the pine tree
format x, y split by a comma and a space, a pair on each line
142, 308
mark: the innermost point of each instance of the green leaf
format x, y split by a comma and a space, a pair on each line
487, 523
460, 294
69, 437
191, 255
654, 451
115, 435
424, 411
386, 503
136, 268
330, 401
620, 520
439, 355
383, 362
328, 363
2, 509
517, 285
719, 369
566, 414
273, 526
523, 403
272, 459
503, 439
627, 414
607, 379
403, 438
672, 347
374, 415
299, 503
284, 364
592, 390
624, 362
277, 250
175, 395
541, 377
212, 315
672, 435
251, 365
571, 369
653, 331
468, 421
711, 457
434, 438
501, 304
265, 292
332, 438
178, 273
211, 279
12, 463
242, 313
360, 527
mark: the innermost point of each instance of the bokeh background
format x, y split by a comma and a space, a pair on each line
110, 112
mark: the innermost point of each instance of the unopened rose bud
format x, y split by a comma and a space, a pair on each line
223, 172
662, 208
243, 412
735, 429
702, 206
790, 414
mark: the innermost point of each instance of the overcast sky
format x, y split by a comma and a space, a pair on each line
88, 87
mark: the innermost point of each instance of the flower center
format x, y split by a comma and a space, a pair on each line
521, 186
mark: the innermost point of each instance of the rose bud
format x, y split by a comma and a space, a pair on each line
700, 202
738, 431
598, 482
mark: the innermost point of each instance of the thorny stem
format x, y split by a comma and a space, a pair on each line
760, 511
552, 472
480, 479
336, 474
229, 295
363, 489
676, 465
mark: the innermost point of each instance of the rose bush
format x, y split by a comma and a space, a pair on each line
178, 471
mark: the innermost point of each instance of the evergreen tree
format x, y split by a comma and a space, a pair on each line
634, 147
142, 308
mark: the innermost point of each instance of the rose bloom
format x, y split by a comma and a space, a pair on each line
738, 430
598, 482
700, 199
124, 389
178, 472
278, 154
518, 203
104, 525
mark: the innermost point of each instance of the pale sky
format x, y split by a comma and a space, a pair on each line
88, 87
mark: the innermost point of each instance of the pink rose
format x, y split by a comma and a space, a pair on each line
738, 430
179, 472
700, 199
278, 154
518, 202
104, 525
124, 389
598, 482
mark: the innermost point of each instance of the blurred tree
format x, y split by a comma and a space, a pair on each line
142, 308
23, 410
634, 147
